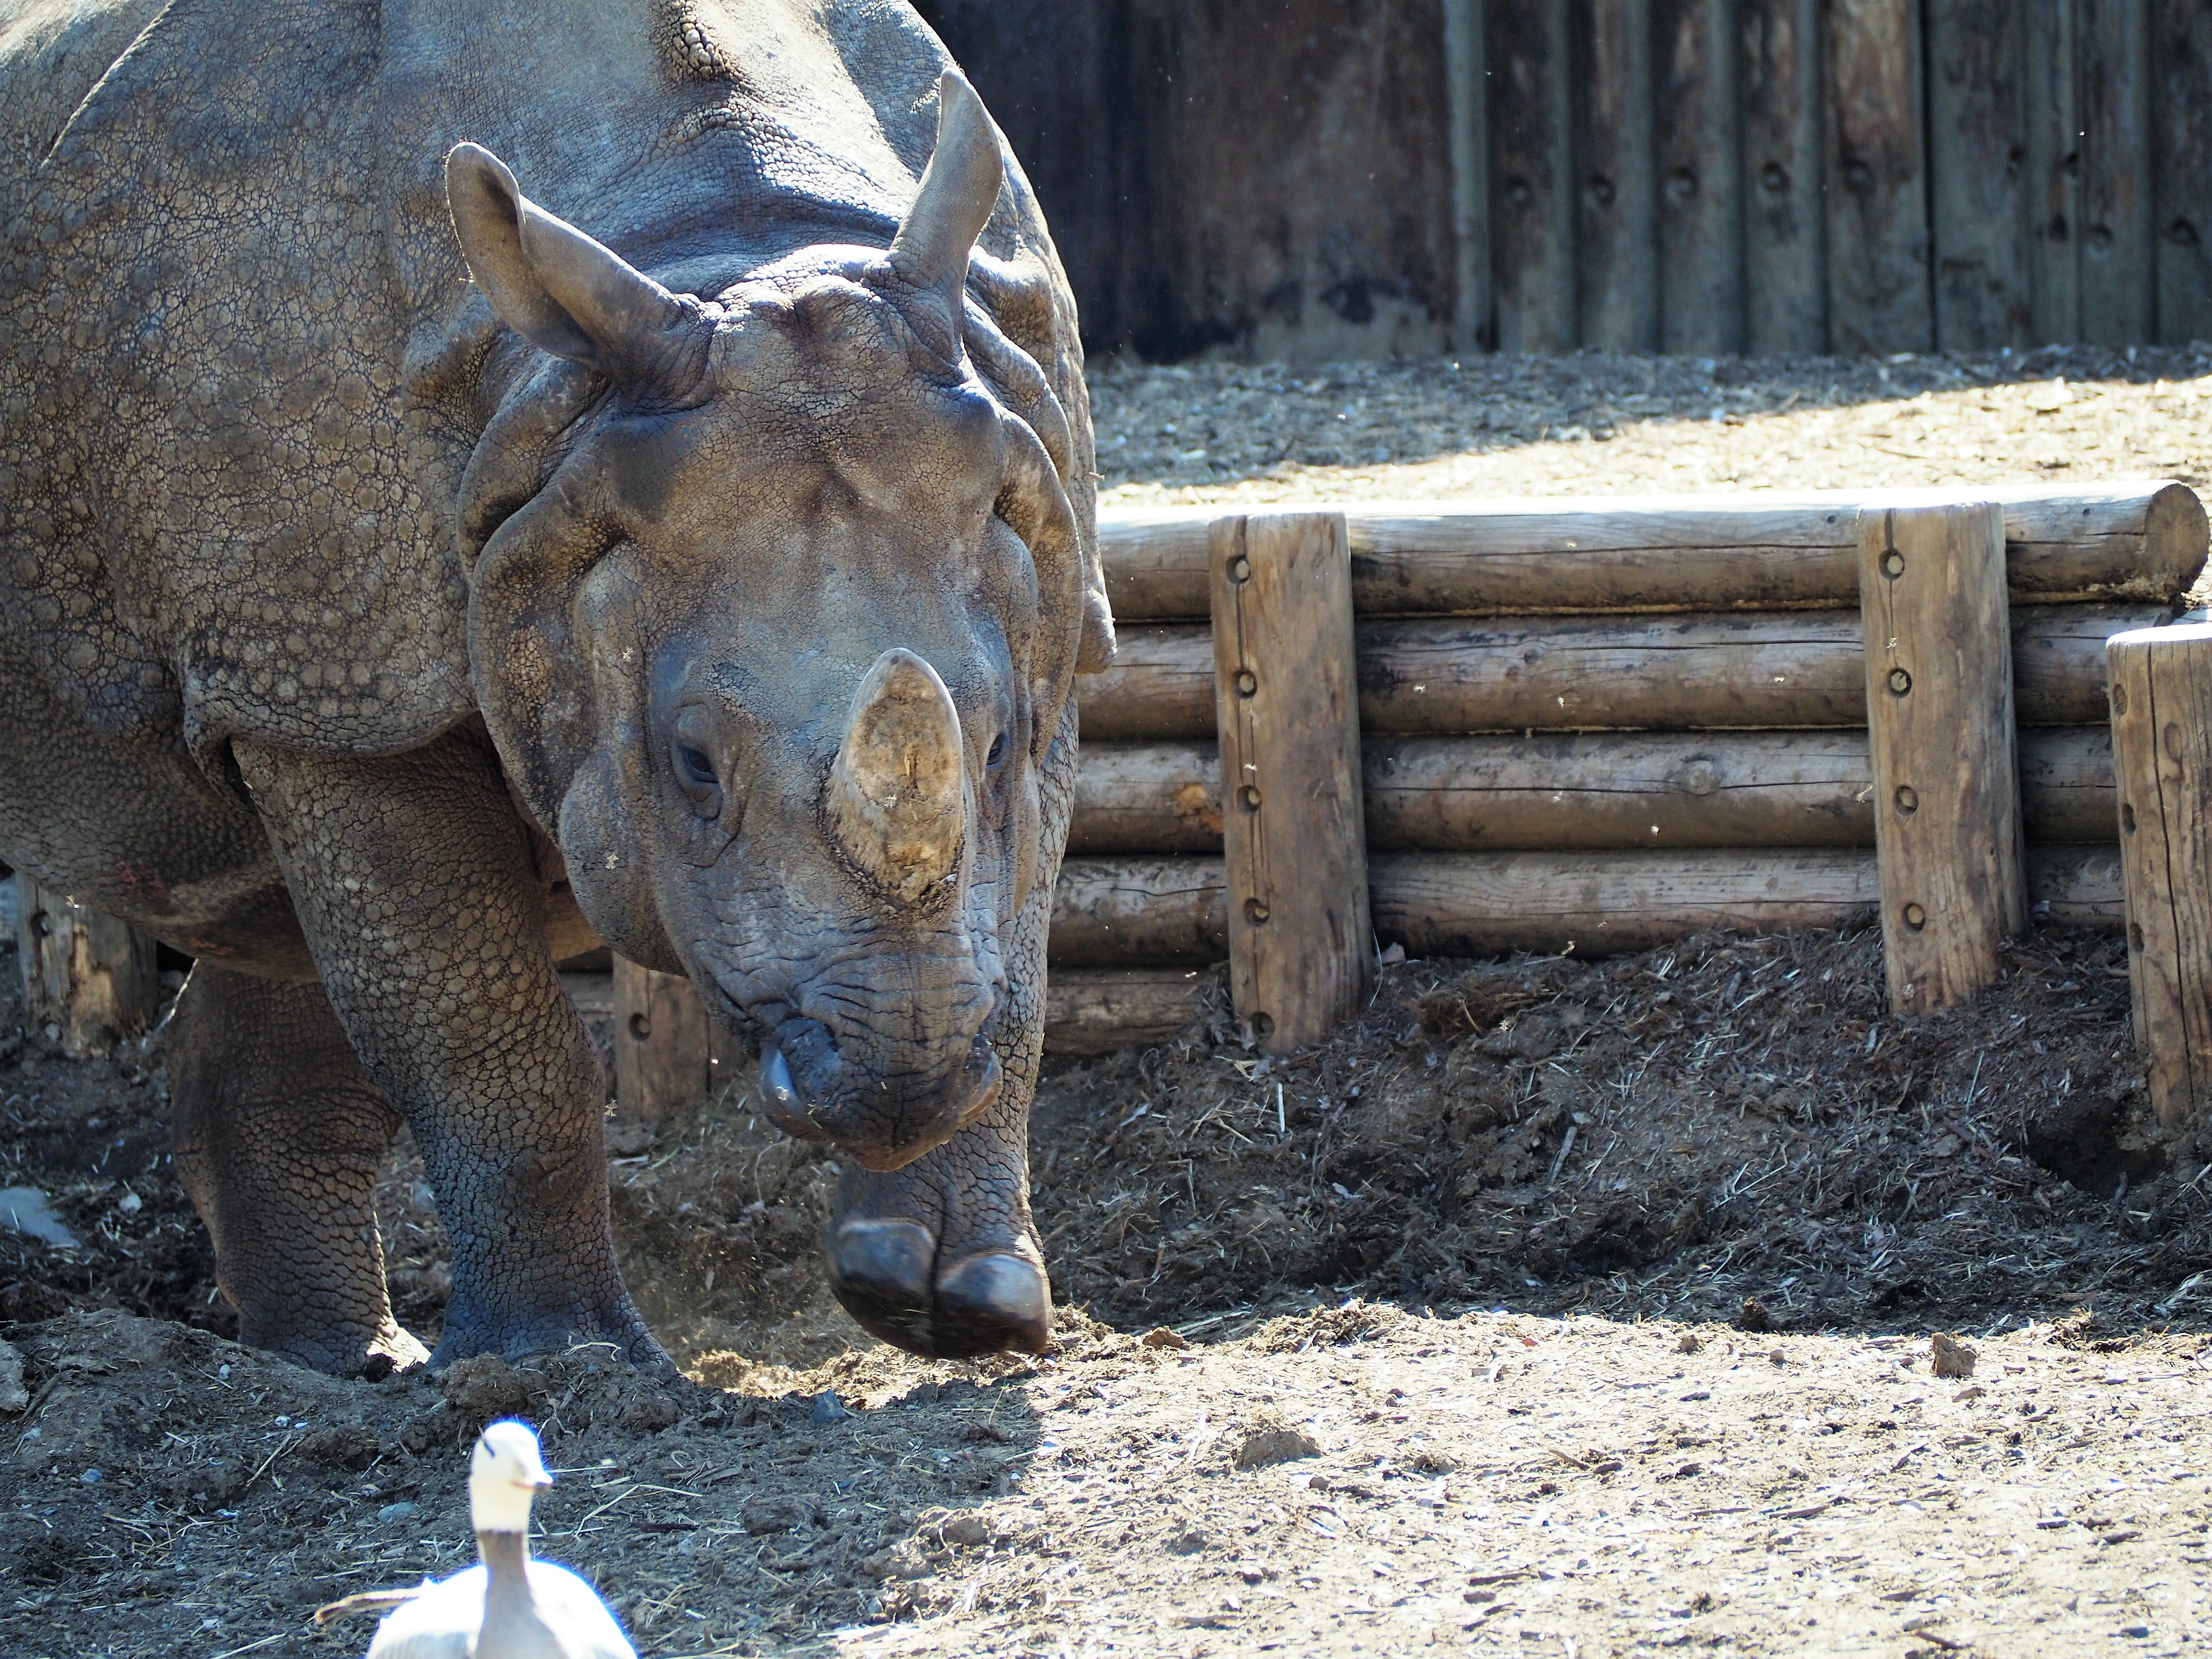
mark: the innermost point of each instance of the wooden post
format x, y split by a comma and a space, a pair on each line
88, 979
1940, 713
669, 1054
2162, 759
1301, 951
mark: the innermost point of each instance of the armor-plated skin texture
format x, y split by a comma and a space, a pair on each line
710, 575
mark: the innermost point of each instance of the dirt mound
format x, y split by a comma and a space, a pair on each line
1664, 1134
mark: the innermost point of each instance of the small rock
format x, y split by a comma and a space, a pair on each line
93, 1477
2139, 1632
1264, 1446
1688, 1343
1950, 1356
763, 1516
14, 1397
967, 1530
399, 1511
827, 1408
130, 1204
1754, 1316
1190, 1541
1779, 1357
1164, 1337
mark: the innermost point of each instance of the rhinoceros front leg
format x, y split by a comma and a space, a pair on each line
940, 1257
413, 877
278, 1133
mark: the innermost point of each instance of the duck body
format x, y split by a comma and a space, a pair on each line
468, 1616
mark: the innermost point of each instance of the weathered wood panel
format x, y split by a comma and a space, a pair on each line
1877, 186
1700, 178
1785, 241
1616, 250
2051, 115
1977, 173
1531, 194
1146, 798
2181, 160
88, 979
1467, 85
2112, 49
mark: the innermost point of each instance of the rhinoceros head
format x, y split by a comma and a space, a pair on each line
775, 608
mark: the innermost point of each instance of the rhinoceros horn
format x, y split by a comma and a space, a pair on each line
562, 291
897, 801
959, 188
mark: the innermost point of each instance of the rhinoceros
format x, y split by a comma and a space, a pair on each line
408, 581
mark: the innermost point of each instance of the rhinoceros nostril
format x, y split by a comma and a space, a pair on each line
780, 1098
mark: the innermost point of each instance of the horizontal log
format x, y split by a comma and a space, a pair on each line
1488, 904
1743, 671
1089, 1011
1602, 792
1148, 798
1755, 550
1159, 688
1139, 913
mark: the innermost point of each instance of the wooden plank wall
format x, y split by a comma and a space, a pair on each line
1317, 177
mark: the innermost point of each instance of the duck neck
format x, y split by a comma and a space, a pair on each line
507, 1564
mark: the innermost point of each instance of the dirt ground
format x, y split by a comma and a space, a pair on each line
1558, 1307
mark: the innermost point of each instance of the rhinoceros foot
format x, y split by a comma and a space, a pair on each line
619, 1328
939, 1259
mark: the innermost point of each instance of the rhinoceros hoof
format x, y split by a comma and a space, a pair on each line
981, 1303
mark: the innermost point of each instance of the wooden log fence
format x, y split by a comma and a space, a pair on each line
1587, 725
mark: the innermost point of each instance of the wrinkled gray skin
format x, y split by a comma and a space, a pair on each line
381, 637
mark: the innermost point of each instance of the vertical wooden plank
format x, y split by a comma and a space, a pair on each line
1532, 205
2051, 111
1940, 718
1785, 269
1700, 179
2181, 160
2118, 267
1976, 171
1876, 172
664, 1045
1301, 949
1467, 89
1616, 247
88, 979
2161, 691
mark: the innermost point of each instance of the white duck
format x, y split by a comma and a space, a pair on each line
510, 1607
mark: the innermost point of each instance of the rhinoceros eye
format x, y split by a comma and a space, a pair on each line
698, 769
997, 751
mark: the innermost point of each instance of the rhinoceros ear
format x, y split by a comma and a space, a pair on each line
560, 290
959, 188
